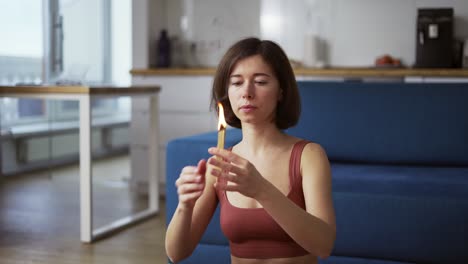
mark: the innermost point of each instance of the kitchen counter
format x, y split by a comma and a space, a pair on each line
325, 72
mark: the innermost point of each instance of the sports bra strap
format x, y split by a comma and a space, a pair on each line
295, 163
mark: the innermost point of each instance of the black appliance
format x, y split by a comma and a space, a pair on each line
434, 38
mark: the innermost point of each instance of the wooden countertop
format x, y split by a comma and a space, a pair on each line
326, 72
91, 90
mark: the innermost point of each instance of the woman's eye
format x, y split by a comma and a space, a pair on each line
236, 83
261, 82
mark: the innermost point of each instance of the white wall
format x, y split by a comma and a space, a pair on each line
212, 25
364, 29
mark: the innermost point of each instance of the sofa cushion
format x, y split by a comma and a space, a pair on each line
412, 123
401, 213
401, 180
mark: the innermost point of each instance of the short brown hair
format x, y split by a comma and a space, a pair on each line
288, 109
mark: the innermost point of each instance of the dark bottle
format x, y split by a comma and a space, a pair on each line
164, 50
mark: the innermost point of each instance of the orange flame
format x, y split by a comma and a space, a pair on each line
221, 121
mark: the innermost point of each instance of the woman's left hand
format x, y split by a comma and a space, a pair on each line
240, 172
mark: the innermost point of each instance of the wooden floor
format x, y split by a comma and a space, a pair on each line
39, 219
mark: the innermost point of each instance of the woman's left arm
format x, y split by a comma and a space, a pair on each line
315, 228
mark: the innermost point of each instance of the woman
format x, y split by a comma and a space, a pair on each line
274, 189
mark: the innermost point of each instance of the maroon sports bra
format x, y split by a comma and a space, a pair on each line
252, 232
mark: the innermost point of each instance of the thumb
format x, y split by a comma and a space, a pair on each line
201, 167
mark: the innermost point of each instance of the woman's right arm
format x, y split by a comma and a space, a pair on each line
197, 204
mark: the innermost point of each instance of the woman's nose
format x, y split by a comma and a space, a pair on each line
247, 95
248, 91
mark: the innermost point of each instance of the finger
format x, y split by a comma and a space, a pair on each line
188, 178
189, 188
189, 169
225, 175
226, 187
201, 169
226, 166
225, 154
190, 196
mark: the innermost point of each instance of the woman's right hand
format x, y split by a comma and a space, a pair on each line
190, 184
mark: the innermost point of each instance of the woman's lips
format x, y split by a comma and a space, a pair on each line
247, 108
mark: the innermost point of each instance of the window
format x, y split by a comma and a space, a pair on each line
21, 47
83, 51
21, 55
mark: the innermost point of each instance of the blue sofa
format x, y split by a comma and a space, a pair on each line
399, 157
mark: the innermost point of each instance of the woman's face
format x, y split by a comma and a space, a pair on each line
254, 91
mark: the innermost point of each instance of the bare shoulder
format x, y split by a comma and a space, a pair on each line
314, 158
313, 150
